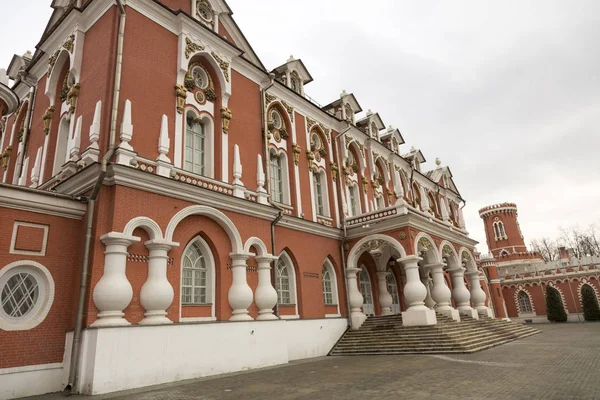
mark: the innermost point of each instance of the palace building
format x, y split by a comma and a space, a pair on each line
519, 278
171, 208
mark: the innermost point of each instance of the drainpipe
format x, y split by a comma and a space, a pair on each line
273, 249
76, 345
343, 214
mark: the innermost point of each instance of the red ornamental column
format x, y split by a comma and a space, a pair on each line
495, 286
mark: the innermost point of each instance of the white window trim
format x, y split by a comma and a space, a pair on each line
334, 289
210, 277
285, 176
60, 146
13, 241
45, 297
364, 268
324, 191
209, 142
293, 289
354, 212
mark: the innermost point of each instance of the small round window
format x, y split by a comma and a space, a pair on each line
205, 12
200, 77
275, 118
26, 295
20, 294
315, 140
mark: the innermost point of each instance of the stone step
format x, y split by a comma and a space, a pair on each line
387, 335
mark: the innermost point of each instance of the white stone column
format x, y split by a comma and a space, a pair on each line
385, 298
415, 292
429, 301
441, 293
355, 298
460, 293
157, 292
265, 295
240, 294
113, 292
478, 295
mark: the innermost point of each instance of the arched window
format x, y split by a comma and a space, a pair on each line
496, 231
295, 83
285, 282
62, 142
392, 287
276, 178
501, 229
327, 286
366, 291
525, 302
320, 193
195, 144
196, 280
379, 202
354, 200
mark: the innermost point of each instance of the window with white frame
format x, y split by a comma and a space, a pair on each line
320, 193
284, 283
195, 144
379, 202
277, 183
26, 295
196, 275
525, 302
62, 143
327, 281
354, 200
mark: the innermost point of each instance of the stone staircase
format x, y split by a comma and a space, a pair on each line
387, 335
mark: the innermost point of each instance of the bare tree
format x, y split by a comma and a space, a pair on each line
580, 242
547, 248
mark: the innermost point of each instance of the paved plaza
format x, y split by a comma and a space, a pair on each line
563, 362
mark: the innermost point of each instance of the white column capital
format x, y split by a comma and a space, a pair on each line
160, 244
240, 257
117, 238
410, 261
267, 258
383, 274
435, 267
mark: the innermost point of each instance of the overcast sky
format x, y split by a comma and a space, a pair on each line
506, 93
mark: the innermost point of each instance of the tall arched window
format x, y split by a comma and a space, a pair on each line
276, 178
195, 287
501, 229
285, 285
366, 291
393, 291
379, 202
195, 140
354, 200
319, 193
282, 284
327, 286
62, 143
525, 302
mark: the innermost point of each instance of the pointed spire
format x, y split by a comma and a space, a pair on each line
126, 127
95, 128
76, 144
163, 141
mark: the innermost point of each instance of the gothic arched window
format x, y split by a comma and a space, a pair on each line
525, 302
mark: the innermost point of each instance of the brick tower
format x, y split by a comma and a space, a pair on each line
502, 231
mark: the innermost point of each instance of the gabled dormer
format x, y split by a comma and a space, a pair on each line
371, 124
208, 12
344, 108
293, 74
17, 66
392, 139
442, 176
415, 158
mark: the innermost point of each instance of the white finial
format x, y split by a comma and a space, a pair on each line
412, 149
390, 128
126, 127
27, 54
95, 128
438, 162
163, 140
369, 113
238, 186
76, 144
262, 196
343, 94
291, 58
